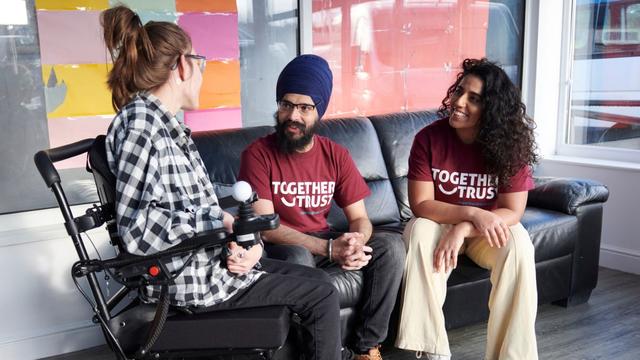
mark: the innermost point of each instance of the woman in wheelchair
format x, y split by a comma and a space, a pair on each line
164, 195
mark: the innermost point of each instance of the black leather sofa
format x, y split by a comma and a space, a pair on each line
563, 216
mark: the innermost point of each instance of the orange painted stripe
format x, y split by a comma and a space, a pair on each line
221, 85
206, 6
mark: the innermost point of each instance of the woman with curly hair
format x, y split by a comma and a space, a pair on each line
469, 174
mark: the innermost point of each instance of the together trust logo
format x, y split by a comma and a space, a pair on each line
304, 194
465, 185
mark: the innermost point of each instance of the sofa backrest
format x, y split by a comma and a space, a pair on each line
359, 137
221, 150
396, 132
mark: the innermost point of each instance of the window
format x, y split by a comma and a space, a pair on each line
34, 37
268, 31
603, 120
389, 55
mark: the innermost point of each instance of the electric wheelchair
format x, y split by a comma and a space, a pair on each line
159, 331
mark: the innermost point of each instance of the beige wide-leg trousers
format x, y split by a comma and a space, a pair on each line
512, 303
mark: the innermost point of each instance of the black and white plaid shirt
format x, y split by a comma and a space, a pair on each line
164, 196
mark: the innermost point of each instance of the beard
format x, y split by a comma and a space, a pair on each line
288, 144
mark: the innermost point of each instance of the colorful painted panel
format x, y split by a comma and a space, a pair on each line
213, 35
69, 129
71, 37
212, 6
81, 5
155, 5
220, 85
75, 63
76, 90
213, 119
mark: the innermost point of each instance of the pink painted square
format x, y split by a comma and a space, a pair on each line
213, 35
215, 119
71, 37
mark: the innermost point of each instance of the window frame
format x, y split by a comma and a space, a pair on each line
305, 27
563, 147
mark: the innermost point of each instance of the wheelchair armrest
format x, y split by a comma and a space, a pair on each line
205, 239
135, 270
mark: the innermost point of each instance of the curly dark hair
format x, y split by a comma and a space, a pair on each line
506, 132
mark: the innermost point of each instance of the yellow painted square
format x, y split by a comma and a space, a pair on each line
77, 90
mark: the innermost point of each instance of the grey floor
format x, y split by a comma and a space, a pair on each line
608, 327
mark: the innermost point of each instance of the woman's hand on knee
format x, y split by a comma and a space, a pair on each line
445, 256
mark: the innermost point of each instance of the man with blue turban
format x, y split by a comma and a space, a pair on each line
297, 174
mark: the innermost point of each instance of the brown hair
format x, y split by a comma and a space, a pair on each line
143, 56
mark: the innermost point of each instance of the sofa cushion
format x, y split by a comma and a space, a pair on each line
348, 283
360, 138
396, 133
467, 271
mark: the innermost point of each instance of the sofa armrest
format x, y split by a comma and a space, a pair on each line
566, 194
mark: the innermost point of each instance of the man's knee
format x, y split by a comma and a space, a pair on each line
294, 254
390, 246
329, 295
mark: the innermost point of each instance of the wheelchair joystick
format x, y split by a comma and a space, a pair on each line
242, 191
248, 225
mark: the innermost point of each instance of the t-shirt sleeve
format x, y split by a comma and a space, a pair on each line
255, 170
350, 186
419, 158
521, 181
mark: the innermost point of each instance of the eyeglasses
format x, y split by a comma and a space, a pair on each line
287, 106
202, 61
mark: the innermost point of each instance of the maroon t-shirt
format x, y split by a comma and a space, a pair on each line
301, 185
457, 169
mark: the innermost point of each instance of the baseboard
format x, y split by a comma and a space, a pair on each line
52, 344
621, 259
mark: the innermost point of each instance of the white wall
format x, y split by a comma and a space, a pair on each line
41, 311
620, 248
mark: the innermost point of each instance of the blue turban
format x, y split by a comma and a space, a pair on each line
307, 75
